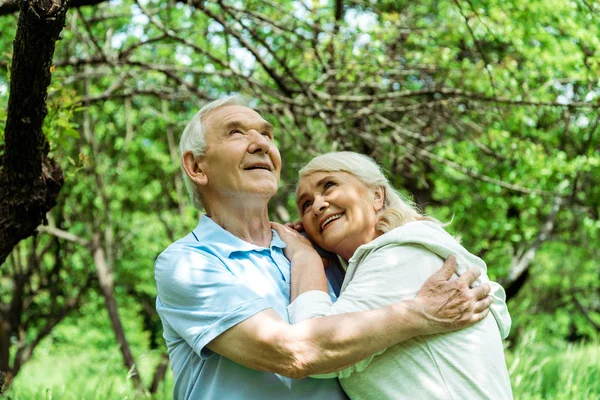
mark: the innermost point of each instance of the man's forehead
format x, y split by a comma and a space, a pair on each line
231, 114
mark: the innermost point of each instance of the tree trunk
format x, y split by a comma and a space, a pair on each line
105, 277
29, 180
159, 373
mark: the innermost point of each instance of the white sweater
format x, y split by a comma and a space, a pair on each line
465, 364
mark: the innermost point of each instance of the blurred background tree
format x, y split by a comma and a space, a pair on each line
486, 112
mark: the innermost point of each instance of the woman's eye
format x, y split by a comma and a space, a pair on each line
329, 185
305, 206
234, 131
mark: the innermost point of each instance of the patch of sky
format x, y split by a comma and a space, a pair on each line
566, 92
135, 29
183, 59
216, 40
592, 95
139, 18
363, 20
187, 10
116, 41
362, 40
115, 3
215, 27
529, 121
3, 88
243, 59
301, 9
209, 68
582, 121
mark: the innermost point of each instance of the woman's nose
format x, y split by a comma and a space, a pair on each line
319, 205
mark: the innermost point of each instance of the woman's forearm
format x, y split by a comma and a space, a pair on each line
307, 274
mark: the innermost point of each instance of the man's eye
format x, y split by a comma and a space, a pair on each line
329, 184
234, 131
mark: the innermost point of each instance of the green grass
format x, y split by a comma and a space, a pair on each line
93, 375
557, 371
538, 370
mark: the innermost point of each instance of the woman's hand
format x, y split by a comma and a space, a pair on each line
451, 305
296, 244
298, 226
307, 268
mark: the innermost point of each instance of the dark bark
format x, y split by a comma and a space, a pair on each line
29, 180
12, 6
519, 270
159, 373
513, 287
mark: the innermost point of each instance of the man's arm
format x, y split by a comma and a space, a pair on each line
318, 346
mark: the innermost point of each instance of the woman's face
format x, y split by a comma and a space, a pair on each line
338, 211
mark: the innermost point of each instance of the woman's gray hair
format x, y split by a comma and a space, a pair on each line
193, 139
397, 210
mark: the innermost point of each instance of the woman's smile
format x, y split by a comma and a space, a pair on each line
338, 211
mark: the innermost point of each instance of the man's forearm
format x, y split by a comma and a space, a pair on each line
335, 342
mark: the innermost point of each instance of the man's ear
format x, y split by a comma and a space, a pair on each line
379, 198
193, 169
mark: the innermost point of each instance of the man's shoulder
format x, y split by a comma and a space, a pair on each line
184, 254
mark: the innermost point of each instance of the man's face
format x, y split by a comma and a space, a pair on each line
240, 157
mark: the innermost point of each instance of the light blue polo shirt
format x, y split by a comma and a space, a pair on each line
208, 282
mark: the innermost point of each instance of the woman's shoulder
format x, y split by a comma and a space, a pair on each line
410, 234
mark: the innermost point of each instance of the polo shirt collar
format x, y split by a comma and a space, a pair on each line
210, 234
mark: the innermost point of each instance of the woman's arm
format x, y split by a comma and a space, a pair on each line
385, 276
307, 272
327, 344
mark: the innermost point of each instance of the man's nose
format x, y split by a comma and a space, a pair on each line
258, 142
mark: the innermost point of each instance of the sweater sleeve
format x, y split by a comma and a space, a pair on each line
387, 275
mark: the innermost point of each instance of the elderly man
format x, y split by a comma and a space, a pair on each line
224, 288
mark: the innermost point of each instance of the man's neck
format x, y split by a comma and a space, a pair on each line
248, 223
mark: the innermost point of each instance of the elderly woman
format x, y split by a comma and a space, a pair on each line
349, 208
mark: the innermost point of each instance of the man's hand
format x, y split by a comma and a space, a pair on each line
451, 305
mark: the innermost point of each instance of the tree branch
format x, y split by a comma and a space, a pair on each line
12, 6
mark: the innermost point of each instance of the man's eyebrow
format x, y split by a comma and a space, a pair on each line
234, 123
267, 126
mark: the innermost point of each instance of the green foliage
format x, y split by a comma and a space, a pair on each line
485, 111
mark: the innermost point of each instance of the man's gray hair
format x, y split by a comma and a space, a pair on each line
193, 139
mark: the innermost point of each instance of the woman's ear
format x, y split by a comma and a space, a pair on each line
193, 169
379, 198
